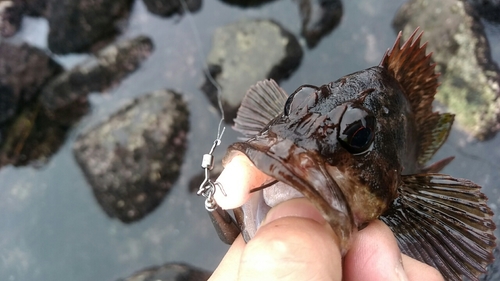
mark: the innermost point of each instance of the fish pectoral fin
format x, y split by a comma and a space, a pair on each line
436, 129
444, 222
261, 104
436, 167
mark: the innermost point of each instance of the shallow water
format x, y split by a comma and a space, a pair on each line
52, 228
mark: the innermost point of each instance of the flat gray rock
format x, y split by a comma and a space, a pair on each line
246, 52
132, 160
470, 78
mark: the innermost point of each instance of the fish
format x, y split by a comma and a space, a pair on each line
358, 148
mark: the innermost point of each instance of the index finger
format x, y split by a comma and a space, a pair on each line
237, 178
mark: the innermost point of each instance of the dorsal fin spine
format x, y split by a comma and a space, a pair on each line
415, 72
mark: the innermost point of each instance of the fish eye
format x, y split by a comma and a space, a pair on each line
357, 130
297, 100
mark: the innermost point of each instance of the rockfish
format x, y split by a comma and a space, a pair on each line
358, 148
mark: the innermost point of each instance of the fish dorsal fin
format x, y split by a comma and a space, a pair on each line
444, 222
262, 103
412, 68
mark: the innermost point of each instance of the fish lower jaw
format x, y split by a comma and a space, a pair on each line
278, 193
259, 204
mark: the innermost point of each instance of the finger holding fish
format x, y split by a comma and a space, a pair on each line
295, 243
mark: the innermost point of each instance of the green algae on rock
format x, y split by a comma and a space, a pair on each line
469, 76
25, 134
246, 52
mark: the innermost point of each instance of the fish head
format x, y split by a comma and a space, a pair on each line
338, 145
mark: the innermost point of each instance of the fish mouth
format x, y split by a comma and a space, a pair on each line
298, 173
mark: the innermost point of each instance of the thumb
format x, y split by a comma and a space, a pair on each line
294, 243
374, 255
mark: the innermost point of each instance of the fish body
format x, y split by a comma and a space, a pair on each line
357, 148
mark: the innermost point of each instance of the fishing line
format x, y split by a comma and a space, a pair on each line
208, 75
208, 187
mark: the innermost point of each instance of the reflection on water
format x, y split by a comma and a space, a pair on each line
51, 227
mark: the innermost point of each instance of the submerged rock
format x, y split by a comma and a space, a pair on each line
246, 3
487, 9
132, 160
24, 70
246, 52
76, 25
470, 78
16, 133
31, 138
170, 272
97, 74
41, 127
26, 134
169, 7
8, 103
35, 8
10, 18
319, 18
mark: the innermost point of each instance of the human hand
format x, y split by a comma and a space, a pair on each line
296, 243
